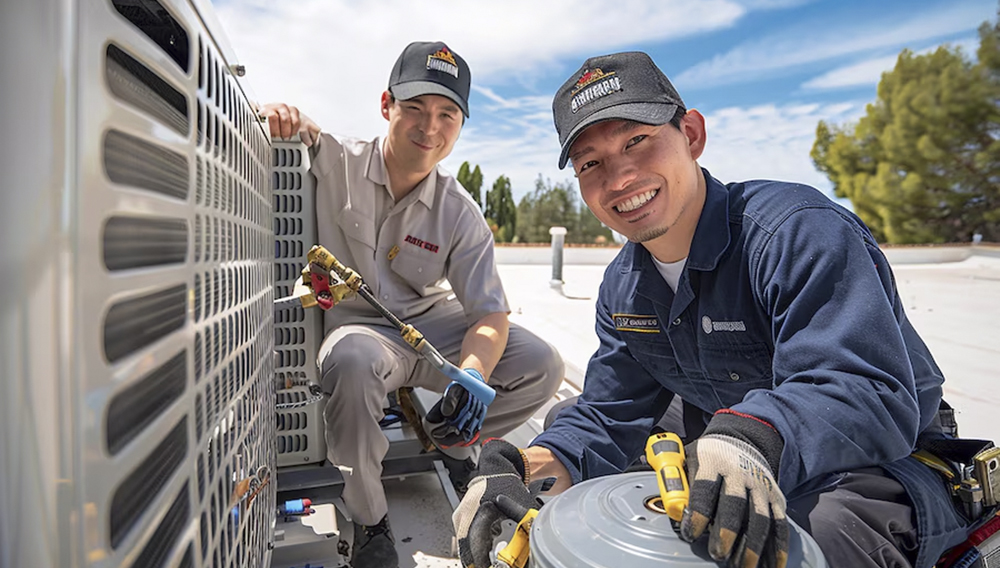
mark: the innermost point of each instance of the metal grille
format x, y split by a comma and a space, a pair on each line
175, 295
300, 426
134, 242
131, 160
132, 82
233, 325
136, 325
298, 332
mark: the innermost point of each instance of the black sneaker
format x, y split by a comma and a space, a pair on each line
461, 473
374, 546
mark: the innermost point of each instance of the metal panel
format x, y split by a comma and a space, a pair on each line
136, 322
298, 332
301, 433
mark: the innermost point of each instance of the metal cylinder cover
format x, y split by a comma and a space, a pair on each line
606, 523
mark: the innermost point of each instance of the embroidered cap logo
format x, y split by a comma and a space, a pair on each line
592, 85
443, 60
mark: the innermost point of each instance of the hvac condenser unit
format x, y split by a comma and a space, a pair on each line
298, 332
136, 335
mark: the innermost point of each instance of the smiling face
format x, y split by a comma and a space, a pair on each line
422, 131
643, 181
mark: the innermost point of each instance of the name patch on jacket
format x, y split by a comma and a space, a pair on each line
632, 322
421, 243
708, 326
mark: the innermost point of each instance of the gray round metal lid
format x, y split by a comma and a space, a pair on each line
604, 523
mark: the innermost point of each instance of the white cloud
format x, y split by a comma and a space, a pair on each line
859, 74
332, 58
796, 48
520, 143
773, 4
770, 142
869, 72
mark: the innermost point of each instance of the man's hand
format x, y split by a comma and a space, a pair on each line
456, 419
285, 121
734, 489
477, 519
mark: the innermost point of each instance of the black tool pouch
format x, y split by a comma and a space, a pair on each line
973, 496
957, 460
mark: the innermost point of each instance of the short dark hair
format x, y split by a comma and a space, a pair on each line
678, 117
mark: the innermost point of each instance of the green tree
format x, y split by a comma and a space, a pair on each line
923, 164
547, 206
472, 181
589, 229
551, 205
501, 213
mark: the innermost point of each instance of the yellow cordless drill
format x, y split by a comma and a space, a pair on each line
665, 454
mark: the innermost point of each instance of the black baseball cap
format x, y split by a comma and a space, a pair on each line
431, 68
621, 86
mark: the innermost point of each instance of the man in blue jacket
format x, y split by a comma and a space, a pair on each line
771, 312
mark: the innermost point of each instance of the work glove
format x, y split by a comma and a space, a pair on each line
456, 419
502, 471
733, 488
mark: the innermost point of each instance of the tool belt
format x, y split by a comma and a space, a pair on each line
971, 467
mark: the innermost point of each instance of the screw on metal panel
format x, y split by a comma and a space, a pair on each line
238, 70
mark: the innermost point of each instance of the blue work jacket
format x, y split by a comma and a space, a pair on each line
786, 310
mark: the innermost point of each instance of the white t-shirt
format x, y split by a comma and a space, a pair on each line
671, 271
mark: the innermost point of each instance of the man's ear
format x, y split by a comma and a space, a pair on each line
693, 127
386, 103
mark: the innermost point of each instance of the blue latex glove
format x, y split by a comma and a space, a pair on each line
456, 419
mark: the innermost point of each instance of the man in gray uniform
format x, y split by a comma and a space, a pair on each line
386, 209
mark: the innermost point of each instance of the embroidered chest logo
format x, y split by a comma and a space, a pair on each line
640, 324
708, 326
443, 60
592, 85
421, 243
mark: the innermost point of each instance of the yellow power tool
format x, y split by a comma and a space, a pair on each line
518, 549
665, 454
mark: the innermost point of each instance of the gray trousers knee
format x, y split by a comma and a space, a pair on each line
360, 364
867, 521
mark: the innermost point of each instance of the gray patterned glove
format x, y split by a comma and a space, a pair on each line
733, 488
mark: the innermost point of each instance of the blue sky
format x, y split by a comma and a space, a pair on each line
763, 72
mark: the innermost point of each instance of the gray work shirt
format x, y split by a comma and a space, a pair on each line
436, 236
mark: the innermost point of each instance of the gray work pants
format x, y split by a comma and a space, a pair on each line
360, 364
866, 521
